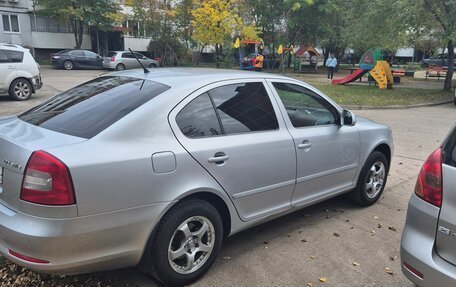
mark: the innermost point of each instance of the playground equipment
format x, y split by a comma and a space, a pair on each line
307, 59
371, 62
248, 51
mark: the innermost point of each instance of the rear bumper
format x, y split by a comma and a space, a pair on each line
417, 247
78, 245
37, 82
109, 65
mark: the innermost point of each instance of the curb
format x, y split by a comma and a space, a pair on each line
359, 107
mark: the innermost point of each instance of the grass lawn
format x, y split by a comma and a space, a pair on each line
373, 96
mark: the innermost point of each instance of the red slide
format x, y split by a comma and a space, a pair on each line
350, 78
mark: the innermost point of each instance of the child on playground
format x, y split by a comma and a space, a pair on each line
331, 63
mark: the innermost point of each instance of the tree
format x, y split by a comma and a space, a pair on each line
160, 18
81, 13
214, 22
443, 12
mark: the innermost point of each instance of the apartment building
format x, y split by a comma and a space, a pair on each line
21, 24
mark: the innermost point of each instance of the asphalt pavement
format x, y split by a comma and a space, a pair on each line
335, 240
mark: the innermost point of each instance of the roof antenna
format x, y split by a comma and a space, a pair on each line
136, 57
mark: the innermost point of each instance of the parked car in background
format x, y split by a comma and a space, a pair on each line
19, 73
122, 60
440, 60
77, 59
428, 245
157, 168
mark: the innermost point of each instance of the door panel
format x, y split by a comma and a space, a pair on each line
234, 133
327, 153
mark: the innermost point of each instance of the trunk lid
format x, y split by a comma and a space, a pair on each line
18, 140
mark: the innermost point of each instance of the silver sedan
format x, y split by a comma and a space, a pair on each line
156, 169
122, 60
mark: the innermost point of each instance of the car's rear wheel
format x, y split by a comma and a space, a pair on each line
372, 180
152, 65
120, 67
68, 65
20, 90
185, 244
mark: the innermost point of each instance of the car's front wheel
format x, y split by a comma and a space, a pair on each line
20, 90
372, 180
185, 244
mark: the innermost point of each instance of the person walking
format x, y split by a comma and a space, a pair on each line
331, 63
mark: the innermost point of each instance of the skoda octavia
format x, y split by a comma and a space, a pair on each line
156, 169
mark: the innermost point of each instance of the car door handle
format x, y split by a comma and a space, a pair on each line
304, 145
218, 158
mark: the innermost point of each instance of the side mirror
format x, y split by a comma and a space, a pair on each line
349, 118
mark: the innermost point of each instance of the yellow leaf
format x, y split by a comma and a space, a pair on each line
355, 263
322, 279
280, 50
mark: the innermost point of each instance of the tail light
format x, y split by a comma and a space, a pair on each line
113, 59
429, 183
47, 181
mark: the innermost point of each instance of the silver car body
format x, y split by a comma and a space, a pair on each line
429, 237
126, 177
126, 59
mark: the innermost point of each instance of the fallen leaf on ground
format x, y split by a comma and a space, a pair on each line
355, 263
313, 257
322, 279
304, 240
309, 285
379, 225
388, 270
392, 228
372, 232
375, 217
336, 234
226, 257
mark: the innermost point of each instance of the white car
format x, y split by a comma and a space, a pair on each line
19, 73
122, 60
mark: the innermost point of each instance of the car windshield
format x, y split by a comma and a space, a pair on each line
87, 109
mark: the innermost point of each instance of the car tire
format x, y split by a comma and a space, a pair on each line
20, 90
372, 180
68, 65
152, 65
120, 67
183, 232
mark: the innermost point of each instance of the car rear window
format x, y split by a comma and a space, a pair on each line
111, 54
86, 110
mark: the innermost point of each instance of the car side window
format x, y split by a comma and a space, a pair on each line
77, 53
304, 107
3, 57
90, 54
244, 108
15, 56
198, 118
127, 55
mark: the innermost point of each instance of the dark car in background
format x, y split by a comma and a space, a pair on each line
77, 59
440, 60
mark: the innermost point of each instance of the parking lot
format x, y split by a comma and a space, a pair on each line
334, 240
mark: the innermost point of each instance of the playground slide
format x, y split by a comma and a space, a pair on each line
350, 78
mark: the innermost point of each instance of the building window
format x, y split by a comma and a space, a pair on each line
48, 24
10, 23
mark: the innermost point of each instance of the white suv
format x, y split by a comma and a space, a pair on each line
19, 73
